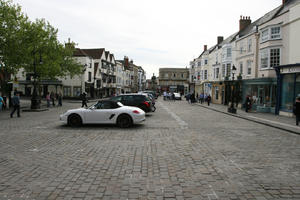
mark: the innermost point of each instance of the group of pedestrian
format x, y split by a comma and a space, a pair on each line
168, 96
50, 97
199, 98
204, 98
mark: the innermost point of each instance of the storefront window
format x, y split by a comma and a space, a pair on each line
67, 91
287, 92
261, 94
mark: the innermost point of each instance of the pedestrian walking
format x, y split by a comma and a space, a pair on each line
16, 104
165, 95
84, 100
193, 98
187, 97
48, 99
59, 98
52, 96
173, 96
247, 104
208, 99
2, 103
197, 97
296, 110
201, 98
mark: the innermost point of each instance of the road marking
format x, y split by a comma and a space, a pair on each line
183, 124
266, 120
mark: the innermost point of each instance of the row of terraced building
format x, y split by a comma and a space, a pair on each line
260, 60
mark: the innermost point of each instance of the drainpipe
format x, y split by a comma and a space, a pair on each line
278, 96
256, 55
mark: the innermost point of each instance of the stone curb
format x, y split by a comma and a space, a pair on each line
253, 120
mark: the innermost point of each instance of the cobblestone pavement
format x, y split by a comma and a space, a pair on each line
182, 151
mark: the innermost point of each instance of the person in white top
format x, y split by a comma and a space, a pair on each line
165, 95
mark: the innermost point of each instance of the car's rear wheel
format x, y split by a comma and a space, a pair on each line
124, 121
74, 120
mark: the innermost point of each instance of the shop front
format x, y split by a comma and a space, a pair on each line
288, 80
262, 93
207, 88
218, 92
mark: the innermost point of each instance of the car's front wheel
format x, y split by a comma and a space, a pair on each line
74, 120
124, 121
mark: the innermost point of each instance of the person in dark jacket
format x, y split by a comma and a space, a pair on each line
59, 98
52, 96
193, 98
208, 99
247, 104
297, 110
16, 104
84, 100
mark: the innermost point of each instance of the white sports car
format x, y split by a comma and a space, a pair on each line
104, 112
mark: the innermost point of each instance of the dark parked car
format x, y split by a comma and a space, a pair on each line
151, 92
137, 100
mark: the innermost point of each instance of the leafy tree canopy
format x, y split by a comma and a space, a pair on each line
24, 43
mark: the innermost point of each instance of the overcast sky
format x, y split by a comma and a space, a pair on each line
153, 33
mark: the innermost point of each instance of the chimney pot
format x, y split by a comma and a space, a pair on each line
205, 47
244, 22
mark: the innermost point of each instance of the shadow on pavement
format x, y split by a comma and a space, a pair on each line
103, 126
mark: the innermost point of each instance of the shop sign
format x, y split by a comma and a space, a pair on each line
288, 70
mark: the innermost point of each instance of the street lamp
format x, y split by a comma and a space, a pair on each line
35, 100
82, 78
232, 109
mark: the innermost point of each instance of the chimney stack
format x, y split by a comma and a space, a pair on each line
126, 62
220, 39
205, 47
244, 22
285, 1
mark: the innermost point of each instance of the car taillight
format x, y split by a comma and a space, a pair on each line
136, 112
146, 103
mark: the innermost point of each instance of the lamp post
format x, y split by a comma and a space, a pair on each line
35, 100
82, 78
232, 109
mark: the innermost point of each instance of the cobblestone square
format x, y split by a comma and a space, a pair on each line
182, 151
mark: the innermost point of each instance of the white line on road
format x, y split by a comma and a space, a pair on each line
183, 124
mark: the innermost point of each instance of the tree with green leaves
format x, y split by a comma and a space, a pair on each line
12, 21
23, 43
